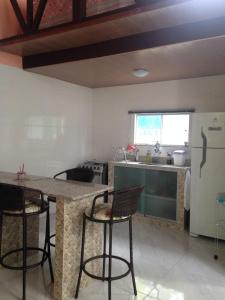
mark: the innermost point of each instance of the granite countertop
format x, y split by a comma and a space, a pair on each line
152, 166
70, 190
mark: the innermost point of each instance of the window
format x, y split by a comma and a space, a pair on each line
168, 129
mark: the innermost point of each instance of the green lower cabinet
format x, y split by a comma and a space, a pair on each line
159, 207
127, 177
160, 194
159, 198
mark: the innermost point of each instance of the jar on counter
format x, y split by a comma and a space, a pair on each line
179, 157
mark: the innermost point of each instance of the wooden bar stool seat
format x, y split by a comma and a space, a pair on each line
103, 212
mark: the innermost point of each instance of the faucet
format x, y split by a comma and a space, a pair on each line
157, 152
157, 148
125, 154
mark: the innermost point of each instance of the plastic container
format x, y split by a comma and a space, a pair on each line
179, 157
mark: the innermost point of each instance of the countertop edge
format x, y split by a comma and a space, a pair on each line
170, 168
108, 188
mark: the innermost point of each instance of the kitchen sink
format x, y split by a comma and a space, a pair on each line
142, 163
149, 163
145, 163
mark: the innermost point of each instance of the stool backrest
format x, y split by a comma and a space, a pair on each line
125, 201
13, 197
78, 174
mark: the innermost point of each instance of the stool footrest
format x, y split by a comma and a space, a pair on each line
52, 236
101, 277
31, 266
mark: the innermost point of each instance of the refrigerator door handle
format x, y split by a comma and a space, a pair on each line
204, 151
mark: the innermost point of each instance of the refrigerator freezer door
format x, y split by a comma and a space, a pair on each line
210, 125
205, 212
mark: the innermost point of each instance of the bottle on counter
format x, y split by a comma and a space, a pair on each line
148, 158
169, 159
137, 154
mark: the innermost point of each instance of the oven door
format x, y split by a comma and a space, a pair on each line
98, 178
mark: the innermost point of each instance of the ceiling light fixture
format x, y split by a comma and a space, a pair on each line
140, 72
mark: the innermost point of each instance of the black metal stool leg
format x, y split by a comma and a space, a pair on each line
46, 241
81, 256
104, 251
24, 255
110, 261
48, 245
1, 217
131, 256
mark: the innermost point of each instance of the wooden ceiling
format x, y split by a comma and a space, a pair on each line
186, 60
126, 23
183, 39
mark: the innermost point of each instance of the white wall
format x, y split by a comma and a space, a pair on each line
51, 125
44, 122
111, 106
10, 60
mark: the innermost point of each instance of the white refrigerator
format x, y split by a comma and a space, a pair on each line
207, 172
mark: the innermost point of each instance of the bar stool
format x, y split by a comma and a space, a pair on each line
21, 202
123, 206
77, 174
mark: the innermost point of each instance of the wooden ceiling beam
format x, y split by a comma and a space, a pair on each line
152, 39
141, 6
79, 10
19, 15
39, 14
159, 3
30, 8
29, 24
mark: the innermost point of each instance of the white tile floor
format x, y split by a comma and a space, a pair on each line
169, 266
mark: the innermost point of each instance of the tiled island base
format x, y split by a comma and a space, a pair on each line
68, 246
12, 237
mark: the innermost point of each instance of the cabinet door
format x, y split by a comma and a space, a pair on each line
161, 194
128, 177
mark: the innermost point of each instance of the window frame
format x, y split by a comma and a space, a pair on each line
134, 120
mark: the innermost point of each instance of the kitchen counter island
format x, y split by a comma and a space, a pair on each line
72, 198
